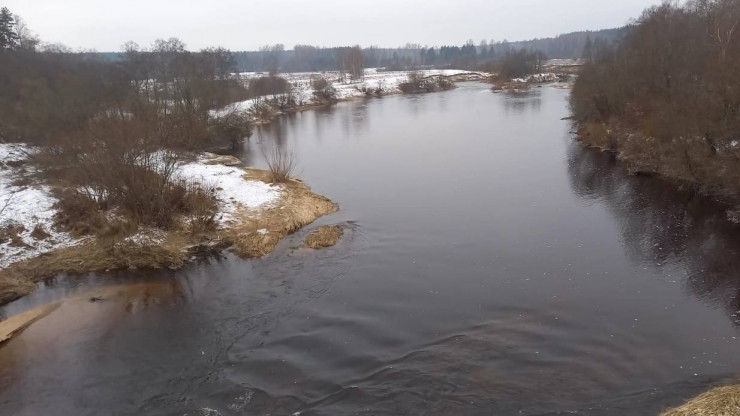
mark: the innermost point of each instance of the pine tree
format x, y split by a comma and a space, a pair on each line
8, 37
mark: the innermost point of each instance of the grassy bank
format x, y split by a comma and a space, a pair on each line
247, 230
690, 162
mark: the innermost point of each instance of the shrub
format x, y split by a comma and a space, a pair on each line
285, 101
77, 213
231, 128
418, 83
262, 111
281, 163
323, 91
319, 83
201, 206
271, 85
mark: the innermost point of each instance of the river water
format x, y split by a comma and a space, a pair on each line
490, 266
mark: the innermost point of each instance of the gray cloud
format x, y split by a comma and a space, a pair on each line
106, 25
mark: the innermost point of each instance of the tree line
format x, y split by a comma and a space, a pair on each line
113, 132
471, 55
668, 96
306, 58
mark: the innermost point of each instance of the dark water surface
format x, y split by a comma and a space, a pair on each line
490, 266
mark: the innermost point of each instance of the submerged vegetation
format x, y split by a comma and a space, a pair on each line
324, 236
667, 99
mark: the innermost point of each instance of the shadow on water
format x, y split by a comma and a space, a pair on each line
660, 224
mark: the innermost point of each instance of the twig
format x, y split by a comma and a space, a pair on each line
7, 202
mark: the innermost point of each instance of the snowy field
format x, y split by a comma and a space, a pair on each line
346, 89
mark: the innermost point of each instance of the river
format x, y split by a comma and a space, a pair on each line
490, 266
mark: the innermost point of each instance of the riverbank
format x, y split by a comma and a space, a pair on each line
691, 162
339, 87
719, 401
252, 216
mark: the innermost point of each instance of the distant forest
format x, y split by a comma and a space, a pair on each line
304, 58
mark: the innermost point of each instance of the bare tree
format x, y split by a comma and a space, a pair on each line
27, 40
356, 62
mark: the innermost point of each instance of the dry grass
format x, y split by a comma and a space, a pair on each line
39, 233
281, 163
297, 208
325, 236
20, 279
720, 401
202, 208
11, 232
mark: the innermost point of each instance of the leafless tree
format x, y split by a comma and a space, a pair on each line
27, 40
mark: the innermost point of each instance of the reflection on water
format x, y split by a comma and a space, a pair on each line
490, 266
520, 101
662, 225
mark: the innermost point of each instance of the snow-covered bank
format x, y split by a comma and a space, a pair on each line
23, 209
27, 210
541, 78
233, 190
346, 89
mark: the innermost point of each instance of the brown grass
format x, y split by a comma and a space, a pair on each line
20, 278
77, 214
324, 236
39, 233
201, 207
11, 232
720, 401
297, 208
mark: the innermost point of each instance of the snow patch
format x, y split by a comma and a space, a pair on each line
232, 189
24, 208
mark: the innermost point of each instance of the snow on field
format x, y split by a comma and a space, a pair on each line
538, 78
232, 190
564, 62
24, 208
346, 89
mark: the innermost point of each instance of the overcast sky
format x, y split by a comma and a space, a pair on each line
105, 25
